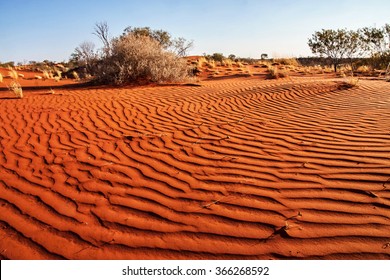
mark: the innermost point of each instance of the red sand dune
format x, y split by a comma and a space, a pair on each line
235, 169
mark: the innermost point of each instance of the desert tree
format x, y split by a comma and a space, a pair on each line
232, 57
337, 45
376, 44
217, 57
264, 56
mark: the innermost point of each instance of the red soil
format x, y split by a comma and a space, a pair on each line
241, 168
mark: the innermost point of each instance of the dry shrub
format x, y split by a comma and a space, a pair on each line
348, 83
227, 62
46, 75
201, 61
16, 88
59, 74
210, 64
363, 69
13, 74
239, 64
328, 69
275, 73
140, 58
75, 75
287, 61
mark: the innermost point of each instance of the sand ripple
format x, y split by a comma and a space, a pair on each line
237, 168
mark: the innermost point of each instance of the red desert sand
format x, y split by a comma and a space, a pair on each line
237, 168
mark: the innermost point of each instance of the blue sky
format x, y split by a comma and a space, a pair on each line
52, 29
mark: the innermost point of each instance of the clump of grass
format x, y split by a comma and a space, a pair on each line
227, 62
38, 77
248, 72
287, 61
210, 64
75, 75
201, 61
45, 75
353, 82
1, 78
348, 83
328, 69
16, 88
59, 75
239, 64
275, 73
13, 74
363, 69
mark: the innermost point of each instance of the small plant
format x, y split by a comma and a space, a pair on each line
75, 75
348, 83
201, 61
353, 82
227, 62
363, 69
210, 64
1, 78
58, 76
16, 88
287, 61
275, 73
13, 74
45, 75
239, 64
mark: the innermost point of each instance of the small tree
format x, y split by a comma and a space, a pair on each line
218, 57
376, 44
336, 45
232, 57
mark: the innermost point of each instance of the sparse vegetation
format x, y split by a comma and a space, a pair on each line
13, 74
275, 73
368, 45
45, 75
16, 88
350, 82
75, 75
287, 61
140, 58
140, 54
